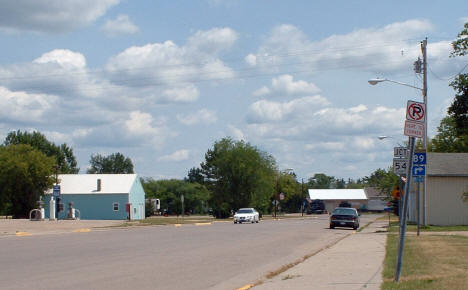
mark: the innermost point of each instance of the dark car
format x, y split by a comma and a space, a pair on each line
316, 206
344, 217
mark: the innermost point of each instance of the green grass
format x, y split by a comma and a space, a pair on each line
429, 262
413, 228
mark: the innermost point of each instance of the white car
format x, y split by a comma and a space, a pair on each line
246, 215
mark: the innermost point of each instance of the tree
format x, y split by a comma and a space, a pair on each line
115, 163
63, 154
447, 139
384, 180
169, 191
238, 175
195, 175
25, 174
453, 130
321, 181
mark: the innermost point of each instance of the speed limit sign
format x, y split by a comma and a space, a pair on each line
400, 165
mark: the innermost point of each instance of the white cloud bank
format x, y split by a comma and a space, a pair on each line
177, 156
52, 16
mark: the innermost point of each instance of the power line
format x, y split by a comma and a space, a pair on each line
293, 53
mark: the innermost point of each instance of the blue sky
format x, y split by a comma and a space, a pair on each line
160, 81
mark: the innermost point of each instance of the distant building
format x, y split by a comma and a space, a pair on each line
101, 196
333, 197
376, 201
447, 179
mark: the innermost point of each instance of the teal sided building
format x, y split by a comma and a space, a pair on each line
100, 196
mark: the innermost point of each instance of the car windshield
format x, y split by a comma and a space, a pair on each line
245, 210
344, 211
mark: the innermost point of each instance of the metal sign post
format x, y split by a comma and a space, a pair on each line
401, 242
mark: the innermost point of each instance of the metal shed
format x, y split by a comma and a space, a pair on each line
447, 179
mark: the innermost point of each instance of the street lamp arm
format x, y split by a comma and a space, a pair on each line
376, 81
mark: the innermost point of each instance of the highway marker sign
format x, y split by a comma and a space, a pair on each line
419, 158
400, 165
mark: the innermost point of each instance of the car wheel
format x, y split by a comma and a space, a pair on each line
332, 226
235, 222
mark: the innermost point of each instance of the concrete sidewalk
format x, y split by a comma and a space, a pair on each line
355, 262
25, 227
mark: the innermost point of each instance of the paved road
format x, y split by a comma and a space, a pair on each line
217, 256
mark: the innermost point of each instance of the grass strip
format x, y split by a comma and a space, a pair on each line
429, 262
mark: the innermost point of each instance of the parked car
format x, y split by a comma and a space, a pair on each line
245, 215
316, 206
344, 217
344, 204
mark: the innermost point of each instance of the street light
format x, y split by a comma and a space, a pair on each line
379, 80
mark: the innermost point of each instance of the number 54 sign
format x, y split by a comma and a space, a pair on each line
400, 165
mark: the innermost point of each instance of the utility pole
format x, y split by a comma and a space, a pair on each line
424, 92
302, 196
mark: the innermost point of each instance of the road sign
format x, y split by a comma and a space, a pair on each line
56, 190
400, 152
182, 198
418, 179
419, 170
414, 129
416, 111
400, 165
419, 158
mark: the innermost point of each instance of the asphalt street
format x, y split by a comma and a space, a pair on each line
214, 256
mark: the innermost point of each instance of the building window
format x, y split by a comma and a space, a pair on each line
116, 206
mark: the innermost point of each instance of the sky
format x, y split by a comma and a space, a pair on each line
161, 81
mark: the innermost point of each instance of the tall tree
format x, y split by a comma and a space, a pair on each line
384, 180
63, 154
238, 175
321, 181
453, 130
25, 174
115, 163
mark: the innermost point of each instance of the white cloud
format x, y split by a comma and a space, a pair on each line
267, 111
63, 57
213, 41
202, 116
185, 94
177, 156
170, 64
121, 25
236, 133
285, 85
384, 49
23, 107
51, 16
251, 59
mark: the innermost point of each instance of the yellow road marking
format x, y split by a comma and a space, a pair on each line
82, 231
22, 234
246, 287
177, 225
202, 224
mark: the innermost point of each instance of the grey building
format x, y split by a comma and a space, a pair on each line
447, 180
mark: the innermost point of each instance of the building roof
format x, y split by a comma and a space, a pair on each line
447, 164
337, 194
87, 183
